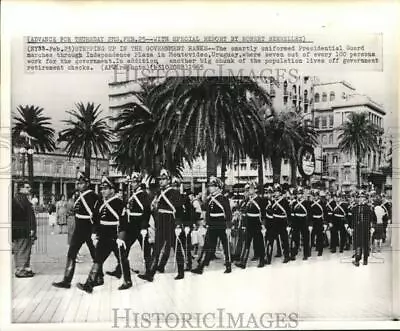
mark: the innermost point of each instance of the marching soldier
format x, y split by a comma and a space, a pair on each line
330, 206
239, 230
340, 224
363, 217
86, 217
301, 211
111, 233
188, 222
318, 215
138, 214
352, 203
168, 224
219, 221
267, 231
281, 213
253, 221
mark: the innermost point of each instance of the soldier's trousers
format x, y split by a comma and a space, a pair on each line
318, 230
239, 243
104, 247
213, 233
253, 234
278, 229
165, 238
300, 227
338, 234
82, 234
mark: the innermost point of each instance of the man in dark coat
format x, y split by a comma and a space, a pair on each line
23, 230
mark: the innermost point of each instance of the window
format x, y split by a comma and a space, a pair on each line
306, 108
331, 121
324, 139
324, 97
331, 96
285, 161
374, 162
369, 161
324, 163
316, 97
347, 176
253, 166
243, 166
323, 122
344, 95
334, 159
316, 122
47, 167
331, 139
235, 167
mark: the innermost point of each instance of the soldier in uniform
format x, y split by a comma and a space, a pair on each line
281, 213
340, 224
301, 209
188, 223
253, 221
239, 230
219, 221
138, 215
111, 232
363, 217
168, 228
86, 217
318, 216
267, 231
387, 206
330, 206
352, 203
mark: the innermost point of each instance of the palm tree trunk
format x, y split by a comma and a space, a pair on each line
358, 172
276, 163
260, 175
293, 172
223, 168
87, 157
30, 169
211, 163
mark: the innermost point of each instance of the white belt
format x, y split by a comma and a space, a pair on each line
270, 216
165, 211
217, 214
280, 216
300, 215
330, 213
85, 217
317, 216
135, 214
338, 215
109, 223
253, 215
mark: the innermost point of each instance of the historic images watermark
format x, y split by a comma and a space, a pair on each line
218, 319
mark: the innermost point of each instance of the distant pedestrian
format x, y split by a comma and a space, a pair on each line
52, 213
61, 210
23, 230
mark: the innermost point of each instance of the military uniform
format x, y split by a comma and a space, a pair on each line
168, 222
86, 219
218, 219
387, 206
340, 224
318, 217
188, 222
111, 231
239, 232
330, 206
255, 209
301, 213
281, 213
269, 239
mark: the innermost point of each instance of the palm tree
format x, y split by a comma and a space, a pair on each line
139, 145
358, 136
282, 135
87, 133
31, 127
209, 115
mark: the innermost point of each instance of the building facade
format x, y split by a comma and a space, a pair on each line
333, 102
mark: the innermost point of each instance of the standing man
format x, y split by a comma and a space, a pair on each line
23, 230
387, 206
318, 216
267, 231
168, 229
138, 214
330, 206
86, 218
363, 217
111, 232
254, 219
219, 221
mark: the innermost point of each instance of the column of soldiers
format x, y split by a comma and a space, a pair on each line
289, 221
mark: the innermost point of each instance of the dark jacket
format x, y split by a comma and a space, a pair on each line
23, 217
